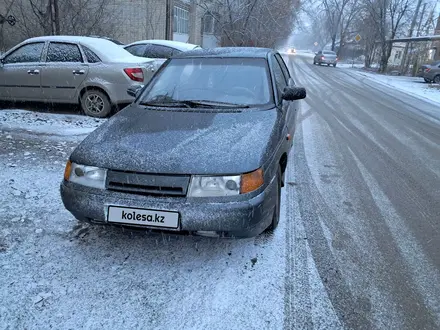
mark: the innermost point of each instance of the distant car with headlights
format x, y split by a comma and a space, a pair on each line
203, 149
291, 50
92, 72
326, 57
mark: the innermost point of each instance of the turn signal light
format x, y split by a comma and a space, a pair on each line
251, 181
67, 170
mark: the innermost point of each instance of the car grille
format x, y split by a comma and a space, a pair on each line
147, 184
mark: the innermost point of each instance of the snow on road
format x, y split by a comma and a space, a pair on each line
414, 86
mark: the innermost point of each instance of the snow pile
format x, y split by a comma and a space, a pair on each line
48, 123
411, 85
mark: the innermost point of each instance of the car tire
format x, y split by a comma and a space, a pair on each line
95, 103
277, 210
328, 64
426, 80
334, 65
436, 79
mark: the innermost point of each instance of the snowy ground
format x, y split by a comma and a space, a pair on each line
56, 274
414, 86
47, 123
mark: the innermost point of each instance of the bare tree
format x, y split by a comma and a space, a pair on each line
252, 22
54, 17
386, 17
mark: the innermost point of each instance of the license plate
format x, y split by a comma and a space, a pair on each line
143, 217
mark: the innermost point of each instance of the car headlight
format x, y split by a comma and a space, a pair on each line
215, 186
89, 176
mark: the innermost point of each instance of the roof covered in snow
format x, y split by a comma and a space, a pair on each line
182, 46
250, 52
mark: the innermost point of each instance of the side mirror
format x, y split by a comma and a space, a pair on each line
294, 93
134, 91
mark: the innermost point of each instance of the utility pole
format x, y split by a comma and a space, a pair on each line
169, 20
411, 30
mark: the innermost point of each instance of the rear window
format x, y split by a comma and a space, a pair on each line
330, 53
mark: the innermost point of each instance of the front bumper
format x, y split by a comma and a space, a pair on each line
245, 218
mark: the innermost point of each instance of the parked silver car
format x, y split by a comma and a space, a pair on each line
159, 50
325, 57
432, 73
92, 72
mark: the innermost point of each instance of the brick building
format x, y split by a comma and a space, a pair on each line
180, 20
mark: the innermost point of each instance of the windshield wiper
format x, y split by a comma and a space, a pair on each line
166, 104
194, 104
214, 104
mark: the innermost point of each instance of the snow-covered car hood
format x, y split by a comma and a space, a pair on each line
181, 142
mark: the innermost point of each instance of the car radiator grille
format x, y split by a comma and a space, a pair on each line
147, 184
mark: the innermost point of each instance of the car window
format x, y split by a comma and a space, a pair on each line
26, 54
283, 66
63, 52
330, 53
158, 51
137, 50
90, 55
231, 80
280, 80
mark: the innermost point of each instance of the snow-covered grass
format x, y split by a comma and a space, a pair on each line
47, 123
414, 86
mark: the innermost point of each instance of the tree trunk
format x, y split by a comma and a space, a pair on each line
333, 42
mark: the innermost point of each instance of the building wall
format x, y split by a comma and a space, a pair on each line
140, 20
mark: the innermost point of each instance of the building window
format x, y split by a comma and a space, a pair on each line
208, 24
398, 55
181, 20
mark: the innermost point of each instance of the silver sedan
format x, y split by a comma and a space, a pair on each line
94, 73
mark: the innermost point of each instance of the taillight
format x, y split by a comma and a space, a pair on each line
135, 74
427, 70
336, 58
322, 57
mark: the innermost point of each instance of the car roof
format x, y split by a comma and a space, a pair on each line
182, 46
107, 50
245, 52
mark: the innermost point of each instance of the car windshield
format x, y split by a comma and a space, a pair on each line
234, 81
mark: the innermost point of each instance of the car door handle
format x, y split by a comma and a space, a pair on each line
76, 72
32, 72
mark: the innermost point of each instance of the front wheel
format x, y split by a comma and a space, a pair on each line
277, 208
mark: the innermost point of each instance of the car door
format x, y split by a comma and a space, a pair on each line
63, 73
280, 83
20, 73
292, 106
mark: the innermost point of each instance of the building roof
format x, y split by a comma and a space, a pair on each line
250, 52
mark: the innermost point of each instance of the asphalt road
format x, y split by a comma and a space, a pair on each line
358, 246
366, 198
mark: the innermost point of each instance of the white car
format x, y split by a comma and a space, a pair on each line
160, 50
